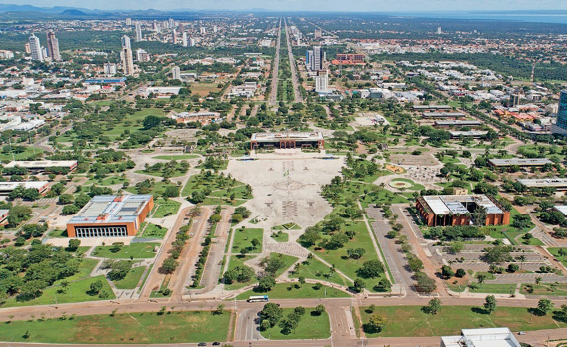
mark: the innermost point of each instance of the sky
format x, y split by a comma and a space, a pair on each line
306, 5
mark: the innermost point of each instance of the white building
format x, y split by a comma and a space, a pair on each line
35, 48
6, 54
138, 32
142, 55
322, 81
185, 42
490, 337
109, 69
126, 42
176, 73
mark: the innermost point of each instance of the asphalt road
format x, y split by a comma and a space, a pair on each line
296, 93
275, 70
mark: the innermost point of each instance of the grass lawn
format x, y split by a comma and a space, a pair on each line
495, 288
165, 208
87, 266
280, 236
153, 231
415, 186
157, 189
288, 291
132, 278
349, 266
176, 157
310, 326
287, 226
412, 321
28, 153
136, 250
133, 328
545, 289
76, 292
243, 239
318, 271
288, 261
236, 260
555, 252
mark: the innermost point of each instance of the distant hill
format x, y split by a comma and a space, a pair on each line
73, 13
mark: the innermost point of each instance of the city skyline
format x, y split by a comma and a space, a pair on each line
409, 6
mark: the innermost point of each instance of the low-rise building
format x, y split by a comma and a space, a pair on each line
533, 162
489, 337
111, 216
288, 140
43, 165
443, 210
557, 183
7, 187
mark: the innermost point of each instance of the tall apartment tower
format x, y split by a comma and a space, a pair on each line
318, 59
35, 48
174, 36
53, 46
128, 21
176, 73
560, 127
321, 81
126, 55
185, 42
126, 42
138, 32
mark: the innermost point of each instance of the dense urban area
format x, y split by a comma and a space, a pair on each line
243, 179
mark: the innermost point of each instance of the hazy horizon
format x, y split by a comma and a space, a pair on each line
307, 5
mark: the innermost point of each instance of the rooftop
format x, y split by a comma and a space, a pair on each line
111, 209
9, 186
298, 136
455, 204
490, 337
42, 163
517, 161
544, 182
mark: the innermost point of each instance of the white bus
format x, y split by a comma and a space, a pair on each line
258, 298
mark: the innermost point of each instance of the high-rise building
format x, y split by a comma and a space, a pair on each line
174, 36
321, 81
27, 48
128, 21
181, 27
35, 48
176, 73
109, 69
185, 42
203, 30
142, 55
439, 31
215, 29
318, 34
318, 59
138, 32
126, 42
560, 127
127, 61
53, 46
171, 23
514, 100
156, 27
192, 42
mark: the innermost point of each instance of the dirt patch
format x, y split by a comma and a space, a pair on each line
395, 169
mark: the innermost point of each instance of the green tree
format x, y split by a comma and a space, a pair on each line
433, 307
266, 283
490, 304
544, 306
376, 323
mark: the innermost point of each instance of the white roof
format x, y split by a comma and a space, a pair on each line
42, 163
489, 337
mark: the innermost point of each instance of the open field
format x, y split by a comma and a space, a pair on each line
310, 326
133, 328
243, 239
412, 321
132, 278
135, 250
76, 292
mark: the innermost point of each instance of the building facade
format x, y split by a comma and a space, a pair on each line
560, 127
111, 216
35, 48
287, 140
53, 46
445, 210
